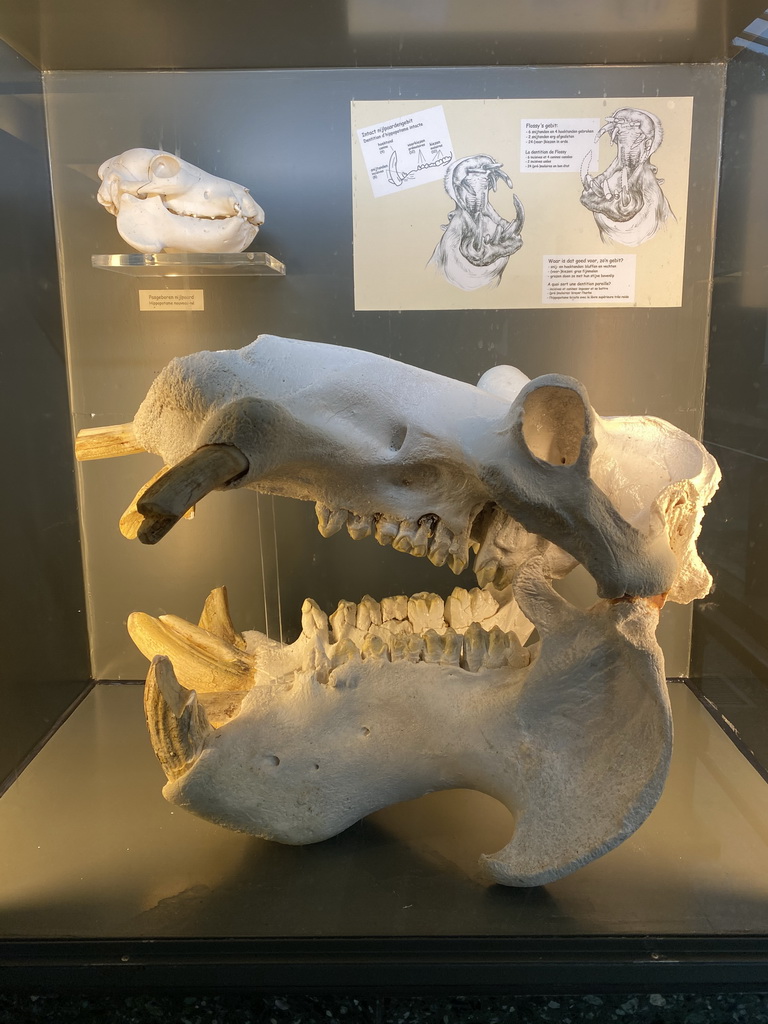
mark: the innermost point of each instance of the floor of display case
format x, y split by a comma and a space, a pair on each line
90, 852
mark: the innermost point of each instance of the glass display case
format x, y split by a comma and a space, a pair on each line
97, 868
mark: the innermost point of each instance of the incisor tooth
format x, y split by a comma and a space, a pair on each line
394, 607
475, 647
359, 527
313, 620
368, 613
426, 612
440, 544
329, 521
386, 530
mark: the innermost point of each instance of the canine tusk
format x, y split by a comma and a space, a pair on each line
171, 496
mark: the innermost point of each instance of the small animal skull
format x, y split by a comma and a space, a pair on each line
165, 204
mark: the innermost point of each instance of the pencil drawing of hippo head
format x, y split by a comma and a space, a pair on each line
477, 242
626, 198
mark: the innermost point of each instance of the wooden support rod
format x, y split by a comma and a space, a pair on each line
106, 442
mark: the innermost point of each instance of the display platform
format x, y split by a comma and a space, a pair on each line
95, 867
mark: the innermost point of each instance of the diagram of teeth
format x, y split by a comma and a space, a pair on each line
477, 242
392, 697
396, 177
626, 199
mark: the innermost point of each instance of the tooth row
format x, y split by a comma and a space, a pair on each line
370, 631
400, 614
426, 537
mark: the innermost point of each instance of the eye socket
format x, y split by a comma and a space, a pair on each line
554, 424
164, 166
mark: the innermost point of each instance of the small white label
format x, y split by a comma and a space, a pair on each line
562, 144
170, 301
406, 151
589, 280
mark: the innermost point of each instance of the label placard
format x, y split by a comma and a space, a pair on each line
589, 279
165, 300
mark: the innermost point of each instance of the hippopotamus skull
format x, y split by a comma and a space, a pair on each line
389, 699
164, 204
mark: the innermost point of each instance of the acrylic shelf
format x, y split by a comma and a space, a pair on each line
191, 264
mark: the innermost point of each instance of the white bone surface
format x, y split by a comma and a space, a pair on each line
576, 744
386, 700
385, 447
165, 204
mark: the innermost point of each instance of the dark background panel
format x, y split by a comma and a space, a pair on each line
730, 640
87, 35
42, 625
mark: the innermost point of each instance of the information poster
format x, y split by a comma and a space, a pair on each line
520, 203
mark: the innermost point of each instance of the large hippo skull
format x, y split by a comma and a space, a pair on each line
165, 204
389, 699
626, 198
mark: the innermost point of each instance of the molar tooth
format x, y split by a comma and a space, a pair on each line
475, 647
517, 655
386, 529
359, 526
398, 647
458, 609
433, 647
482, 604
414, 648
318, 663
368, 613
458, 556
393, 626
486, 574
314, 621
344, 652
406, 535
329, 521
497, 648
343, 620
440, 544
425, 611
456, 564
452, 646
394, 607
375, 649
420, 543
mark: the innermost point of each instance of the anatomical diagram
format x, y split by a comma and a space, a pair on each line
165, 204
477, 241
626, 199
393, 697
